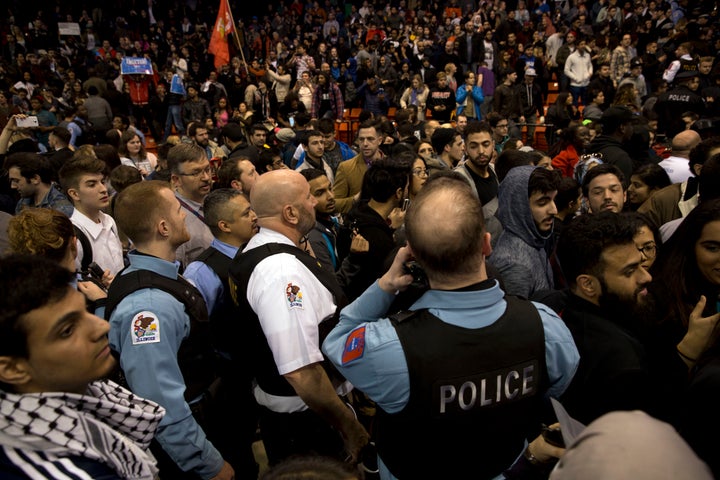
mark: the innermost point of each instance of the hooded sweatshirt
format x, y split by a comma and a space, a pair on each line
520, 255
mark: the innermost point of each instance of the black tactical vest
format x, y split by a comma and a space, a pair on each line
475, 395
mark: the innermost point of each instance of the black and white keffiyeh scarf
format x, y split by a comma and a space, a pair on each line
108, 424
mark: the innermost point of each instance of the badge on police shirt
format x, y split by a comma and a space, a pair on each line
294, 296
145, 328
354, 345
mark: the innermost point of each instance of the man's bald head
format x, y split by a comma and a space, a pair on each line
445, 228
274, 190
685, 141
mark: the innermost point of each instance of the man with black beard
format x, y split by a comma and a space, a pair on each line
607, 295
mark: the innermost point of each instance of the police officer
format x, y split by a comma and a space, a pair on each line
233, 223
671, 105
458, 380
162, 342
288, 296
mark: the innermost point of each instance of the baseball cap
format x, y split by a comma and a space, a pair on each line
285, 135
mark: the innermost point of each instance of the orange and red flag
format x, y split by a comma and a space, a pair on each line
224, 26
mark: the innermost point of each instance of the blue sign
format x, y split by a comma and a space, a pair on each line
176, 86
136, 65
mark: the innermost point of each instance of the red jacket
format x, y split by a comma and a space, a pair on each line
139, 90
565, 161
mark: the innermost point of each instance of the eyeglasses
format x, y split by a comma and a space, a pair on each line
198, 173
504, 125
419, 172
649, 250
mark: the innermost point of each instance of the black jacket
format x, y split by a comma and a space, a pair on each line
359, 270
613, 372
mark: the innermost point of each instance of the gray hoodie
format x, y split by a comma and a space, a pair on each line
520, 255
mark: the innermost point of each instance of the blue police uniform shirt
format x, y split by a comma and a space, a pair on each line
151, 366
365, 347
206, 280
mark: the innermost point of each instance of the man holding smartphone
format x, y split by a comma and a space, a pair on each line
376, 218
46, 121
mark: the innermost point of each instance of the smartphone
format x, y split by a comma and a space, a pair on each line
406, 204
27, 122
96, 271
292, 122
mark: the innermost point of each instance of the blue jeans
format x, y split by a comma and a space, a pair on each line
173, 116
578, 93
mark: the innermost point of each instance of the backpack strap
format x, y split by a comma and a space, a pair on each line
87, 257
184, 292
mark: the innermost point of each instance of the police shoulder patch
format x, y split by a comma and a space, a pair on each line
354, 346
294, 296
145, 328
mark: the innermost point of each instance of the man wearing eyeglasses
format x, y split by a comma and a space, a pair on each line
604, 268
499, 124
191, 179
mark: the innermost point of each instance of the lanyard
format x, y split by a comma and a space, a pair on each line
190, 209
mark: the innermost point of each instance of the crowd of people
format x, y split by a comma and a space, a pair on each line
525, 208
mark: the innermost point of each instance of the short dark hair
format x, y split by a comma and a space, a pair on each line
229, 171
30, 282
30, 164
602, 169
442, 137
62, 133
510, 159
475, 126
653, 175
183, 153
194, 127
71, 171
311, 174
266, 159
493, 118
124, 120
215, 207
384, 178
583, 241
406, 130
123, 176
257, 127
326, 126
568, 191
701, 152
543, 180
305, 138
371, 123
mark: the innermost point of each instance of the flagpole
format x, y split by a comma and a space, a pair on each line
237, 39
